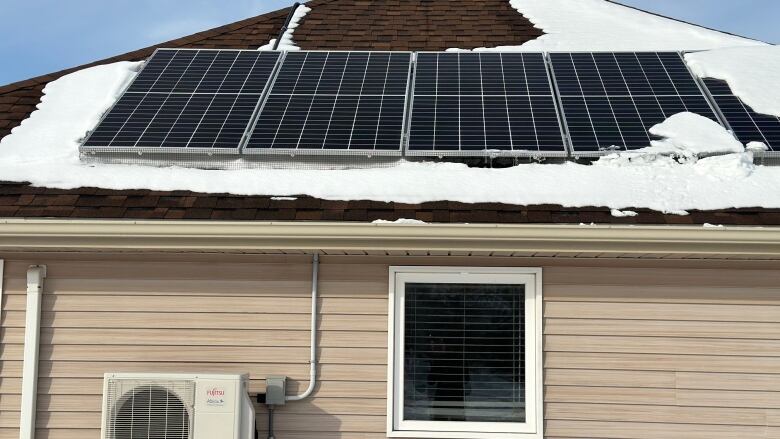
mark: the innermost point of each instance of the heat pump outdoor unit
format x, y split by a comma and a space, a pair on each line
181, 406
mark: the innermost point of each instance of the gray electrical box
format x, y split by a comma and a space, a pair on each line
275, 390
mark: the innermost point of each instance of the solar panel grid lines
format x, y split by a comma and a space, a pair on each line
164, 128
483, 104
746, 124
186, 101
440, 104
609, 100
335, 103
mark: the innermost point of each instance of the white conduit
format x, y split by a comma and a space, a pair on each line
35, 276
313, 356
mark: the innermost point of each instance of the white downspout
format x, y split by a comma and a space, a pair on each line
35, 276
313, 357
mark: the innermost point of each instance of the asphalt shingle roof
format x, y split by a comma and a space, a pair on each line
417, 25
20, 200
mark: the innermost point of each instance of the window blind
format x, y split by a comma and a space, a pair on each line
464, 352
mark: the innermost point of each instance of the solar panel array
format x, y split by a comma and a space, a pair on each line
475, 104
187, 100
610, 100
747, 124
335, 102
461, 104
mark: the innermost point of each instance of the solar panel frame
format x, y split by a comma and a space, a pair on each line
489, 153
246, 150
560, 96
717, 100
178, 151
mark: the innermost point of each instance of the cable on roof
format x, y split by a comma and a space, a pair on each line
286, 24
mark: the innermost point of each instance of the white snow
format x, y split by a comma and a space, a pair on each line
689, 134
660, 185
623, 213
287, 42
44, 149
757, 147
728, 167
69, 108
400, 221
592, 25
753, 73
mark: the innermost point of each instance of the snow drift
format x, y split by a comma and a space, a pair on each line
44, 149
593, 25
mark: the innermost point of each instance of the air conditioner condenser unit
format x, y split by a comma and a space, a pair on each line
181, 406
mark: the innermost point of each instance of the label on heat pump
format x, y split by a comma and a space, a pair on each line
216, 396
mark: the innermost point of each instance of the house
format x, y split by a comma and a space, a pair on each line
493, 312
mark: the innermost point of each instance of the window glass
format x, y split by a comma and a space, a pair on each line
464, 352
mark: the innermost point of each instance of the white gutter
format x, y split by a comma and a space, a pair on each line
315, 265
35, 276
199, 236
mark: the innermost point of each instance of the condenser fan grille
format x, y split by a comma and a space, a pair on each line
146, 410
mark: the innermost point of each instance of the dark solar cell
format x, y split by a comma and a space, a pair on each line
335, 101
188, 100
476, 104
611, 100
464, 104
747, 124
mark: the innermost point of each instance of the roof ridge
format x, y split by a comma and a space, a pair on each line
145, 51
636, 8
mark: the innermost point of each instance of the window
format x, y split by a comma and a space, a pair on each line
465, 353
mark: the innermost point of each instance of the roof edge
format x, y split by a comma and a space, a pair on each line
146, 51
95, 235
636, 8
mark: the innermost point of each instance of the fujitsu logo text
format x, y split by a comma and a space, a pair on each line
215, 392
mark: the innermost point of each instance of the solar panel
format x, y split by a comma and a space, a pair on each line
484, 104
335, 103
610, 100
186, 100
747, 124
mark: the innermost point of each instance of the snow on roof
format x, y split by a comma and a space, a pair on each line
594, 25
689, 134
44, 149
287, 42
753, 73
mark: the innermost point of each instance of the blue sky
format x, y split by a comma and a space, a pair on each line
42, 36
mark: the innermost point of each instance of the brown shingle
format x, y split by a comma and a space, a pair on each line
332, 24
412, 25
245, 34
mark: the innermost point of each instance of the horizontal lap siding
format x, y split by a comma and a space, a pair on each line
10, 379
168, 316
634, 349
651, 353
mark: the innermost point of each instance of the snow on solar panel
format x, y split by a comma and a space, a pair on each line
610, 100
335, 103
187, 100
482, 104
747, 125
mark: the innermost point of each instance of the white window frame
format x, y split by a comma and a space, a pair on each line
531, 278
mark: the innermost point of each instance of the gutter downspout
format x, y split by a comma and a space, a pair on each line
313, 357
35, 276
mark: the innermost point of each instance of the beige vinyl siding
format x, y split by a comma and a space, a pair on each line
633, 348
10, 371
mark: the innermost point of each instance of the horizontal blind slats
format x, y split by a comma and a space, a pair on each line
464, 352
